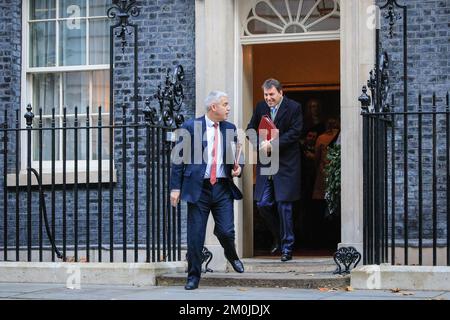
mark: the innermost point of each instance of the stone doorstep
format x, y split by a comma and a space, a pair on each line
301, 272
87, 273
297, 265
387, 277
264, 280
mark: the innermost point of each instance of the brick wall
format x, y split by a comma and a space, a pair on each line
10, 69
428, 43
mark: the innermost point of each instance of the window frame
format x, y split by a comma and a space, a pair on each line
27, 73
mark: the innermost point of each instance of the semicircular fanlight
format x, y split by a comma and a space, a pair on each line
292, 16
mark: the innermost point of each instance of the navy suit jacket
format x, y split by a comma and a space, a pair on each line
189, 176
289, 122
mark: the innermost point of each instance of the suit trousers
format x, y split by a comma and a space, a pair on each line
268, 207
218, 200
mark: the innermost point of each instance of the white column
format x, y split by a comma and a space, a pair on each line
357, 59
215, 70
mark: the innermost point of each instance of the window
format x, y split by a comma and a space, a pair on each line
67, 65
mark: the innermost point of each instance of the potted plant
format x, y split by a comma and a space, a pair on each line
333, 181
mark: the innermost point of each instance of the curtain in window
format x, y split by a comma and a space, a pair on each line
42, 34
98, 41
42, 9
100, 97
72, 42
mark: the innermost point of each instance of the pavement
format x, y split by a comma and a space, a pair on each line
37, 291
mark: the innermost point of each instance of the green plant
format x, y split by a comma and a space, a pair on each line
333, 180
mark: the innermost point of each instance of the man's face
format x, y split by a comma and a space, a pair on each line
314, 108
221, 109
272, 96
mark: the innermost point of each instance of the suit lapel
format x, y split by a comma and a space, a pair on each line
224, 141
228, 158
281, 111
204, 136
266, 110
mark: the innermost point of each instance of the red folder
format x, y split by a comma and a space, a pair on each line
265, 128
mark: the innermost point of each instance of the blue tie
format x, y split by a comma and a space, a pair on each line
272, 113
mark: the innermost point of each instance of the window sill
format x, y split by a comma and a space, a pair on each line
70, 178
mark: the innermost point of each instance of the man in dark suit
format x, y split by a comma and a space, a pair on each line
275, 193
203, 178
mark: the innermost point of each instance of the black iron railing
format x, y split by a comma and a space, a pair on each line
120, 13
70, 196
414, 230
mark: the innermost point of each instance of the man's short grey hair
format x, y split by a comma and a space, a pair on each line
269, 83
214, 97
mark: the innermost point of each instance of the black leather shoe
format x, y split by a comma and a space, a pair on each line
191, 285
237, 265
286, 257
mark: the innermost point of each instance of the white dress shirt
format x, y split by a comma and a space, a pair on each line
220, 172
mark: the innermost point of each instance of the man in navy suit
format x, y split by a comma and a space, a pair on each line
275, 193
203, 178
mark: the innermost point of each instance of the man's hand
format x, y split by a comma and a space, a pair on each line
309, 155
174, 198
266, 146
236, 171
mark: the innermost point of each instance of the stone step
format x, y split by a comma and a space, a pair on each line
268, 280
296, 265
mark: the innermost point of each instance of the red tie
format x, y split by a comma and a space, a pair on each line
213, 175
